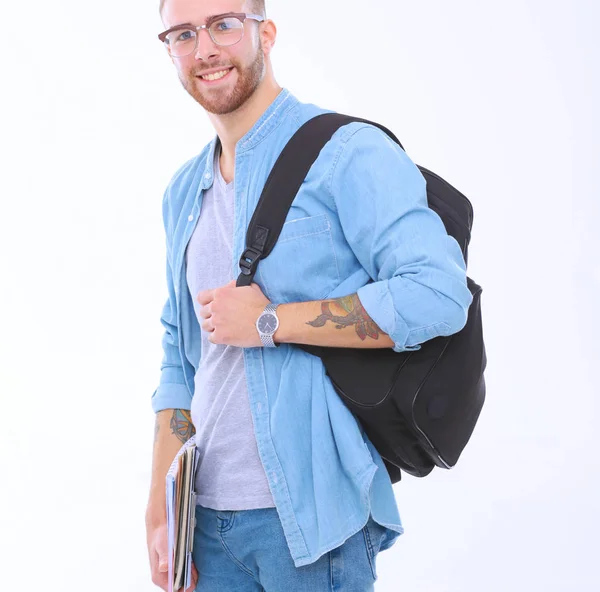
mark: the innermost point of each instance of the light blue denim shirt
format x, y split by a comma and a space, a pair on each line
361, 214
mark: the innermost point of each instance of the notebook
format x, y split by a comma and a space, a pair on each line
181, 514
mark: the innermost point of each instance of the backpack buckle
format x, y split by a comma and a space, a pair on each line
249, 260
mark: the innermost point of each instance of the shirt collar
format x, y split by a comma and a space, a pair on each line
263, 126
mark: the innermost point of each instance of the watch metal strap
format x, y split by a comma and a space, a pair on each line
267, 340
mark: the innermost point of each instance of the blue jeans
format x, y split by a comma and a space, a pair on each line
246, 551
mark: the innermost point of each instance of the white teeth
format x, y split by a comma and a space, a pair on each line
215, 76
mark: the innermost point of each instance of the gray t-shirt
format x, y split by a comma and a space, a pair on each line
230, 474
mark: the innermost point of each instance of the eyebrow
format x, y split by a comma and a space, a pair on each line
208, 19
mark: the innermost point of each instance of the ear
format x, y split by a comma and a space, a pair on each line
268, 34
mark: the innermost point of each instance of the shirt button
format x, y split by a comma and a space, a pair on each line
259, 407
190, 217
207, 176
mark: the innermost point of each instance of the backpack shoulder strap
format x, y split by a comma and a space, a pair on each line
283, 183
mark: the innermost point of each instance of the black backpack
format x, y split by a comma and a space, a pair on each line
418, 408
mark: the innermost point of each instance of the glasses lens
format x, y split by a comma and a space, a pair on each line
227, 31
181, 42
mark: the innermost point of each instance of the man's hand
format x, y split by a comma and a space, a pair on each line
230, 314
156, 537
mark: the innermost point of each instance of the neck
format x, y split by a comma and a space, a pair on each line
233, 126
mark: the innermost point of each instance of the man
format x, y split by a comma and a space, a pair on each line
292, 495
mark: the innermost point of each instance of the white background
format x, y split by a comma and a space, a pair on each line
498, 98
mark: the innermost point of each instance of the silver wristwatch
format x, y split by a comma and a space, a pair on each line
267, 323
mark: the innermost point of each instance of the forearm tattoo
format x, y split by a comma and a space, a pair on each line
181, 424
347, 312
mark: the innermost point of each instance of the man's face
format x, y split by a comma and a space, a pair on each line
246, 58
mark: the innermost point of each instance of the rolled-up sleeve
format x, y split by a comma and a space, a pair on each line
172, 391
420, 289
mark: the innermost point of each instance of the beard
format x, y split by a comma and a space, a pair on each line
221, 101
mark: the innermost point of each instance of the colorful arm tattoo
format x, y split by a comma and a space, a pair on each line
181, 424
350, 312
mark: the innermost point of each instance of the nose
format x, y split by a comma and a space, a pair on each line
206, 48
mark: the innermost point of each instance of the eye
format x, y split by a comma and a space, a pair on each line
222, 25
180, 37
185, 35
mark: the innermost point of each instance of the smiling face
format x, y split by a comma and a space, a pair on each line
244, 61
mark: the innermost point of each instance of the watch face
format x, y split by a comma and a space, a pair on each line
267, 323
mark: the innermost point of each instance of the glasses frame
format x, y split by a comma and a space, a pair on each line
242, 16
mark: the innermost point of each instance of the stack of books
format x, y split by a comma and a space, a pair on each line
181, 514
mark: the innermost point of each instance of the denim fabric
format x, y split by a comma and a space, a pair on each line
360, 215
246, 550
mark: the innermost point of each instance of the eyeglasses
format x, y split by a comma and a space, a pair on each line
224, 29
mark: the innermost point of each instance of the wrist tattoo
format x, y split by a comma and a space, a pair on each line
346, 312
181, 424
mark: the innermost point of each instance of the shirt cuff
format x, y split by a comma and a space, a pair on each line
377, 301
171, 395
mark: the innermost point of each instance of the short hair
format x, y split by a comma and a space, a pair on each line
258, 7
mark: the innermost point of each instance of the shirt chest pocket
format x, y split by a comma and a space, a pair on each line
302, 266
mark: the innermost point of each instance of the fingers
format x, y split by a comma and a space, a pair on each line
205, 296
160, 569
207, 325
157, 547
160, 577
162, 581
192, 586
206, 314
161, 549
206, 311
